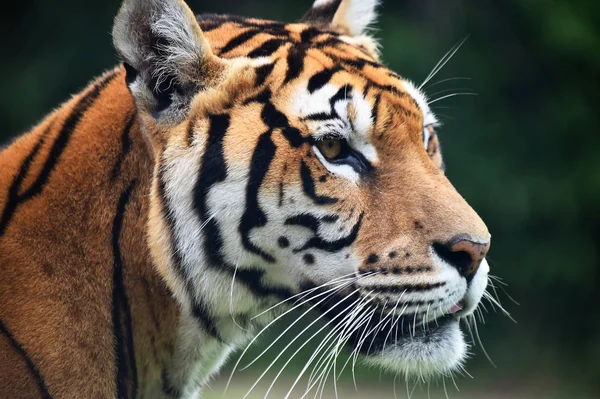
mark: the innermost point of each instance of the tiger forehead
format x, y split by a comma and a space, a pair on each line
227, 32
310, 51
232, 36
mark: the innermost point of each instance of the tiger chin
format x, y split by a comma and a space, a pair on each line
227, 169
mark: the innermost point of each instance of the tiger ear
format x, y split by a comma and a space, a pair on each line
166, 56
348, 17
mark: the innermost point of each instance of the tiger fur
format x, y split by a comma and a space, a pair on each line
228, 164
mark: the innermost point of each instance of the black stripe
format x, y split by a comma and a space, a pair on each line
293, 136
333, 246
308, 184
330, 218
35, 372
212, 171
238, 40
295, 61
252, 280
253, 216
125, 147
262, 97
357, 65
272, 117
320, 79
56, 151
408, 288
304, 220
309, 34
262, 157
125, 366
343, 93
263, 72
199, 311
210, 22
267, 48
375, 111
320, 116
69, 126
13, 191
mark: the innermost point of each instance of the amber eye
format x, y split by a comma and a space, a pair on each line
330, 148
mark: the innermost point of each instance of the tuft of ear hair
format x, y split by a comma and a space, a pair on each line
348, 17
166, 56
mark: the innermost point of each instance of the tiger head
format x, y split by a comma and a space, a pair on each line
290, 163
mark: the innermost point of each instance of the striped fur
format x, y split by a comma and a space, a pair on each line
144, 223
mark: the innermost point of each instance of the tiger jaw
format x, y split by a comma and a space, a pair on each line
406, 332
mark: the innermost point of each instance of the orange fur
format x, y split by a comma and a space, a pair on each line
81, 212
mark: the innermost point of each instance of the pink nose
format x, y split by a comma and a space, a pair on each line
463, 253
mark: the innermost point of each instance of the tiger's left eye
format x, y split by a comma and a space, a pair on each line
330, 148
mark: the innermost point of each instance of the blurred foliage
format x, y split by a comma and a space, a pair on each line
525, 152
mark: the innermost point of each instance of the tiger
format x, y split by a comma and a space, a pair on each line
226, 170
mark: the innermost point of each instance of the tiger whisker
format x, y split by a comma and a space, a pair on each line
341, 343
341, 332
323, 348
502, 287
378, 328
424, 321
294, 339
446, 80
304, 344
479, 340
415, 321
333, 291
356, 351
267, 326
231, 299
443, 61
445, 389
346, 331
306, 292
351, 355
401, 318
489, 297
454, 89
452, 95
341, 324
394, 322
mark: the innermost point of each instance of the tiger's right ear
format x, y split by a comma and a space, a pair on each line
166, 56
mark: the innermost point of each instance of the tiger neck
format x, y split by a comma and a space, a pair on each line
176, 351
162, 350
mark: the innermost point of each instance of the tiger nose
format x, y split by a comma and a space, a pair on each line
463, 253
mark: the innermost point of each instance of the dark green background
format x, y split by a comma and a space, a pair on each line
524, 152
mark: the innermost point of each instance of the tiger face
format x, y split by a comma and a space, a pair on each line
290, 163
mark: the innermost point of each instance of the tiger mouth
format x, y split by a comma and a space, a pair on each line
375, 341
373, 328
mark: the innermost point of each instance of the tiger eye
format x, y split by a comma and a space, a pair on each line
330, 148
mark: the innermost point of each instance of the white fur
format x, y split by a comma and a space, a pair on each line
197, 354
444, 348
355, 130
168, 19
358, 15
440, 351
429, 118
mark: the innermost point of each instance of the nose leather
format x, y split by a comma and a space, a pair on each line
463, 253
